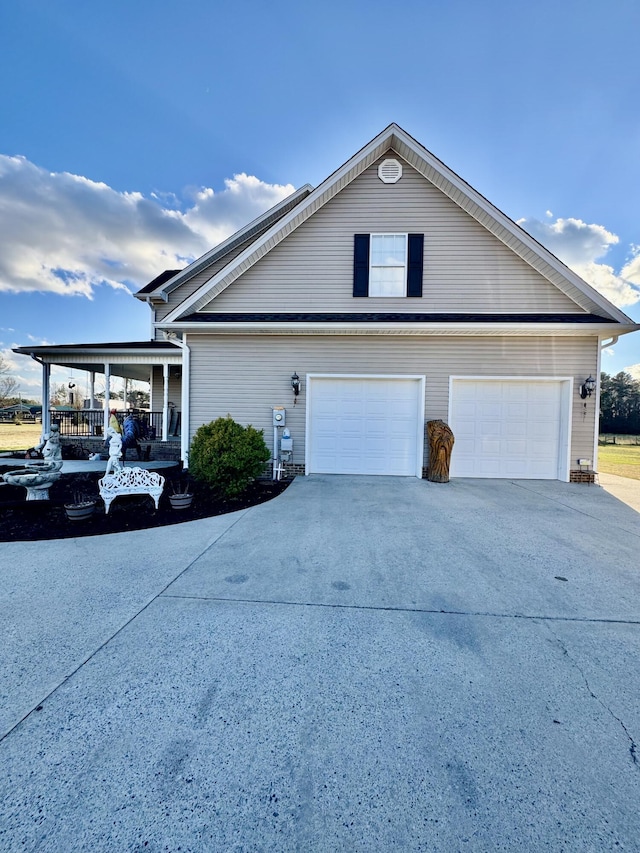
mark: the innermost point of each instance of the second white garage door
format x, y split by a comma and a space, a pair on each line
365, 425
509, 428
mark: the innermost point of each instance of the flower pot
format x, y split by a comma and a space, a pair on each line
181, 501
78, 512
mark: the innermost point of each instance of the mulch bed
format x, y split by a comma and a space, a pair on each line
22, 520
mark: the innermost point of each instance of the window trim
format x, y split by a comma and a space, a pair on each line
404, 266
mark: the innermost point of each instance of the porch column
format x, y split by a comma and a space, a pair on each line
165, 402
107, 394
46, 395
126, 392
92, 390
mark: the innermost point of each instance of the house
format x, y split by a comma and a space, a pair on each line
17, 410
390, 295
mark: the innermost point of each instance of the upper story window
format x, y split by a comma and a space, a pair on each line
388, 265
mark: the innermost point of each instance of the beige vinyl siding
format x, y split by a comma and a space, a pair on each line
465, 267
245, 376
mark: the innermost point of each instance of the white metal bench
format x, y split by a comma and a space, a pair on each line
130, 481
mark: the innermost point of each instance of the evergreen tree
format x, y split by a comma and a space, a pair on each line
619, 404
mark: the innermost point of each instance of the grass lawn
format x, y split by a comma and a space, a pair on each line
623, 460
14, 437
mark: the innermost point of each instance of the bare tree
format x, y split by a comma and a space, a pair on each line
8, 384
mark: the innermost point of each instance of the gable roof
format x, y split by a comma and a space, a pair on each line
169, 280
396, 139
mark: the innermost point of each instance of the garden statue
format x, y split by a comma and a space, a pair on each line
115, 451
50, 445
37, 477
440, 446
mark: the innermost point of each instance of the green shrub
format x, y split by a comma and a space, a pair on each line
228, 456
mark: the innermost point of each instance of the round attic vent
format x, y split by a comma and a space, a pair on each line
390, 171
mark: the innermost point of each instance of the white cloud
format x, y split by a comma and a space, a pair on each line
616, 288
581, 246
634, 370
572, 240
631, 270
67, 234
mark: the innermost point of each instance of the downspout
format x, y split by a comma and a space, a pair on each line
46, 389
609, 342
184, 401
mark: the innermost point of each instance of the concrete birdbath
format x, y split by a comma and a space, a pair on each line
37, 477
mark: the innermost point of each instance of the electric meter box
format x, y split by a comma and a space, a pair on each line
279, 416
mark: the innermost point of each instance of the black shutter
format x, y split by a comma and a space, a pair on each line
361, 265
414, 265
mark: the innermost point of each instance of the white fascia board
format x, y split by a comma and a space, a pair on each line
62, 349
492, 329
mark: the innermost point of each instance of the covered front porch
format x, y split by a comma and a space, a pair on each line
158, 363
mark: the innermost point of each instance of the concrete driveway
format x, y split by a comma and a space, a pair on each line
362, 664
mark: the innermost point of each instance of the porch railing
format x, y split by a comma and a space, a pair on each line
90, 422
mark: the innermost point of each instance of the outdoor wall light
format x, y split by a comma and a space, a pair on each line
295, 384
588, 387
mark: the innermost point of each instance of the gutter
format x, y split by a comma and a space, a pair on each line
394, 328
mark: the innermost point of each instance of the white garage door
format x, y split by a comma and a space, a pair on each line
365, 425
508, 428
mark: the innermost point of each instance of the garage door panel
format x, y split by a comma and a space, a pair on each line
514, 428
465, 430
516, 447
485, 409
489, 467
489, 428
506, 428
364, 425
348, 408
519, 410
467, 410
490, 446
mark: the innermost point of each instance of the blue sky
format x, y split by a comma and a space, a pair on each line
134, 136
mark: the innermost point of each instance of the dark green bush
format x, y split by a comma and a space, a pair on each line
228, 456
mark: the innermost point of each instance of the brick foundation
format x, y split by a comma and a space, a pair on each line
292, 469
577, 476
81, 446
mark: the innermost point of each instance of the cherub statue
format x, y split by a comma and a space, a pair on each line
51, 448
115, 451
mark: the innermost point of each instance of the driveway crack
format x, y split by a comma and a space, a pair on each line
632, 744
